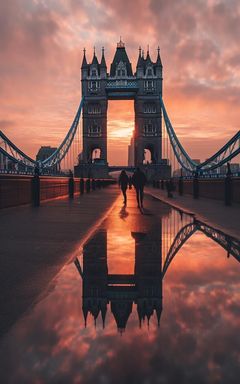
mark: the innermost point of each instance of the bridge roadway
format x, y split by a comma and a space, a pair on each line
210, 211
37, 242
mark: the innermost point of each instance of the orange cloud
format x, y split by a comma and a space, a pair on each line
41, 51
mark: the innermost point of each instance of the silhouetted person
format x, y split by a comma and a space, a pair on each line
229, 171
130, 182
139, 180
123, 182
170, 187
36, 170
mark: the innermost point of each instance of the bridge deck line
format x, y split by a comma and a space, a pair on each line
37, 242
210, 211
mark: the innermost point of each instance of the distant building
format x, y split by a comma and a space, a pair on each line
2, 162
44, 153
8, 165
235, 168
197, 161
131, 153
180, 171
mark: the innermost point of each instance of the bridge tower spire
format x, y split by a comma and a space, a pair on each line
94, 114
148, 121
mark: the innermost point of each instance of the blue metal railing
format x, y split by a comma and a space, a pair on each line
230, 150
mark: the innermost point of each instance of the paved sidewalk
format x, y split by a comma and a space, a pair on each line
212, 212
37, 242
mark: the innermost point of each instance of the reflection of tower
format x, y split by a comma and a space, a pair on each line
95, 276
121, 308
148, 273
144, 288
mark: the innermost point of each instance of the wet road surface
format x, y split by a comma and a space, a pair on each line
152, 298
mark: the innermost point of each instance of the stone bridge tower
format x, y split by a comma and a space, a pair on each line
94, 76
148, 122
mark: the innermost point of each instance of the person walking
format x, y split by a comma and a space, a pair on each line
139, 180
170, 188
123, 182
130, 182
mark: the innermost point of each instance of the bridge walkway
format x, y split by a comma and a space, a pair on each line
37, 242
210, 211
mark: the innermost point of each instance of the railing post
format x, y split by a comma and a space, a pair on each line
93, 185
81, 186
195, 186
228, 190
180, 186
88, 185
36, 188
162, 184
71, 186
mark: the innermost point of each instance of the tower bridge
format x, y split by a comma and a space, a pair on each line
121, 83
37, 243
153, 130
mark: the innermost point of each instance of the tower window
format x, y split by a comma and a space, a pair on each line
149, 72
94, 131
93, 85
149, 85
121, 70
149, 108
94, 72
94, 109
149, 129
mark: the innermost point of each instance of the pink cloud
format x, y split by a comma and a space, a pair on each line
41, 52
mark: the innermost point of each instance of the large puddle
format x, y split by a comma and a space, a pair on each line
153, 298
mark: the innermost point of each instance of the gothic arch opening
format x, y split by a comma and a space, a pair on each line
96, 154
147, 159
149, 154
120, 127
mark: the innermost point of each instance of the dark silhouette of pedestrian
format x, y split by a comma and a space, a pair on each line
139, 180
130, 182
36, 170
123, 182
170, 188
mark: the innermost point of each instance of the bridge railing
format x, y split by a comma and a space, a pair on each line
226, 189
18, 190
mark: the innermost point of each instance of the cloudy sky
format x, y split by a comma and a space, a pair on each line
41, 44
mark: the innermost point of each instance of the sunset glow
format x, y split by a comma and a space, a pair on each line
41, 52
120, 129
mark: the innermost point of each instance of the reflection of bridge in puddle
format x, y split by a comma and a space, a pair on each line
155, 249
